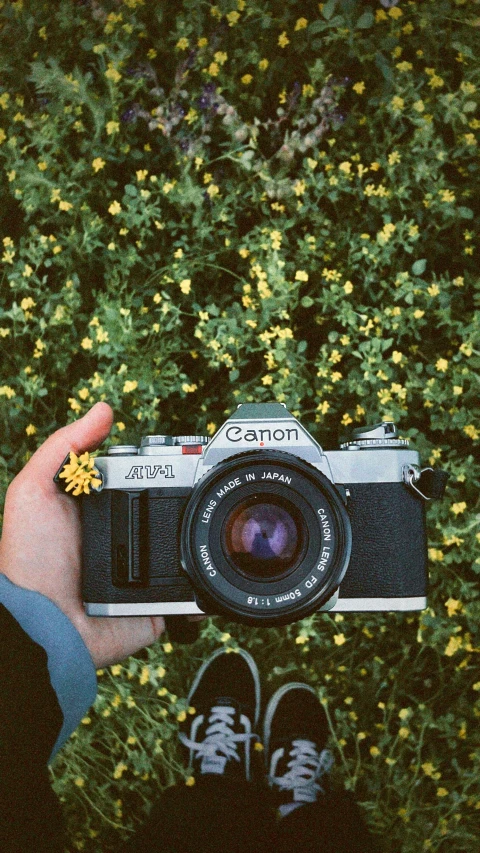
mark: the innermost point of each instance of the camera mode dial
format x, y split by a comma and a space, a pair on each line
374, 437
191, 439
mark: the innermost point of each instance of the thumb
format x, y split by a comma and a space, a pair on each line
85, 434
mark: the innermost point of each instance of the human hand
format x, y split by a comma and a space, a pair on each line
40, 548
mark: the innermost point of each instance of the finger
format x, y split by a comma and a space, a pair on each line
85, 434
111, 640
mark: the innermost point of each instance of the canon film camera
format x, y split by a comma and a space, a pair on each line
258, 523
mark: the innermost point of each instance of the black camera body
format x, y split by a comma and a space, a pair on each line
257, 523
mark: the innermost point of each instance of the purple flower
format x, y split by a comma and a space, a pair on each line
131, 114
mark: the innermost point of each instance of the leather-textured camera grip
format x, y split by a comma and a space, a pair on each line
389, 551
156, 534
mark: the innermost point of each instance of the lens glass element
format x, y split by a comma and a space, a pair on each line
263, 537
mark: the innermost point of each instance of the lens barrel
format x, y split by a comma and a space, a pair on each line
265, 538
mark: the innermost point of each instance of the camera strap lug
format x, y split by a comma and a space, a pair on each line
429, 483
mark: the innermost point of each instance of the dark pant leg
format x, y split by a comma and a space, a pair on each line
333, 824
214, 816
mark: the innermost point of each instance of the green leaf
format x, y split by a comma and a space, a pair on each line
317, 27
307, 302
465, 212
365, 21
383, 64
329, 9
419, 266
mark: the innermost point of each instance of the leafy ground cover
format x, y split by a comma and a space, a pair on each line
205, 204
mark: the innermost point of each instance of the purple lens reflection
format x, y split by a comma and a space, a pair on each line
263, 539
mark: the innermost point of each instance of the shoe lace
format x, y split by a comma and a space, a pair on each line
220, 743
305, 769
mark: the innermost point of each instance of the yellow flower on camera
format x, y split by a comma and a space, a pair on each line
80, 474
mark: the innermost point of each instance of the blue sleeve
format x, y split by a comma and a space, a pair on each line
70, 666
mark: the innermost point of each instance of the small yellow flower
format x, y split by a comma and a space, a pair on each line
397, 357
458, 508
182, 43
6, 391
98, 164
144, 675
112, 127
442, 792
442, 365
301, 24
213, 190
454, 644
167, 648
471, 431
397, 103
453, 606
31, 429
247, 79
79, 473
435, 555
374, 751
447, 195
190, 781
120, 770
130, 385
339, 639
283, 39
141, 174
185, 285
395, 12
301, 275
359, 87
112, 74
115, 208
263, 64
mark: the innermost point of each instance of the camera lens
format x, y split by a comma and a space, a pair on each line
264, 538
